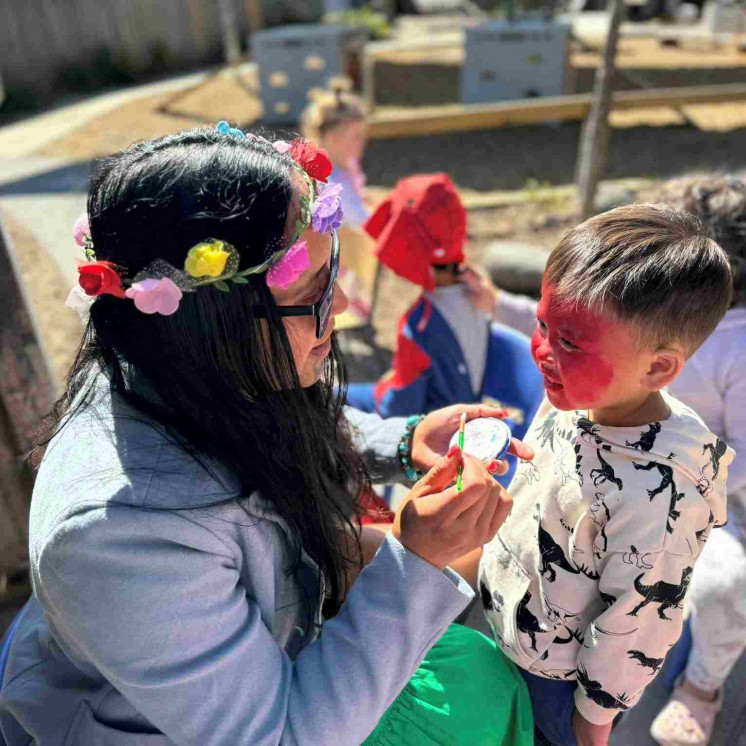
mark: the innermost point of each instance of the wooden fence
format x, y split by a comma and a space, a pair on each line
49, 45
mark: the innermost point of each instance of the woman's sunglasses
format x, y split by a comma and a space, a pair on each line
323, 309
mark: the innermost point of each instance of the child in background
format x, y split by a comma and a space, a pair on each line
584, 584
335, 119
446, 350
714, 383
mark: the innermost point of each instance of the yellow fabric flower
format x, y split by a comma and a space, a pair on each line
206, 259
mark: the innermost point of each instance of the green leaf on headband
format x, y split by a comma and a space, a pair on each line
220, 285
240, 280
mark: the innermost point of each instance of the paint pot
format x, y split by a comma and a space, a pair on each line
486, 439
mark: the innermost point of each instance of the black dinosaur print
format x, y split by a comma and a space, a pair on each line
589, 428
552, 554
592, 574
557, 614
578, 460
647, 438
666, 473
608, 599
717, 451
668, 595
546, 431
605, 473
527, 622
572, 634
486, 597
633, 557
596, 694
652, 663
596, 508
565, 525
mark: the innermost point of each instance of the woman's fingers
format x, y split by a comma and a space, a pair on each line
476, 483
442, 474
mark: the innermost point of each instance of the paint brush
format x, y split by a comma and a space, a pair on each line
461, 426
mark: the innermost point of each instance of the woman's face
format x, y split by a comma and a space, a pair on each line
309, 353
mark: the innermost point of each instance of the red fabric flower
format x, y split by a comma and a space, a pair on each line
312, 159
100, 278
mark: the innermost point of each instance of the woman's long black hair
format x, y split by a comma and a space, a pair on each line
225, 384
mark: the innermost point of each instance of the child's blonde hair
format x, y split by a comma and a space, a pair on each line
329, 108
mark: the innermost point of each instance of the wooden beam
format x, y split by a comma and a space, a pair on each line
433, 120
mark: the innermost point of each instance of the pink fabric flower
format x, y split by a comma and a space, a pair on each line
155, 296
81, 230
281, 146
327, 210
290, 267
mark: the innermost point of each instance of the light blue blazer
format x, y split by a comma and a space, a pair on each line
152, 626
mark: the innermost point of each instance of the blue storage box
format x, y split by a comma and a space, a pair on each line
506, 60
294, 59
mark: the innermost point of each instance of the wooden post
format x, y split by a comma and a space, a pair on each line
255, 14
594, 138
231, 31
25, 397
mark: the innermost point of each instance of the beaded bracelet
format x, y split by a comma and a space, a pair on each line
405, 448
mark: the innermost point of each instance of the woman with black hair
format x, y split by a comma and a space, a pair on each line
194, 517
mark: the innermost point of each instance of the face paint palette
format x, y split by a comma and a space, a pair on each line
486, 438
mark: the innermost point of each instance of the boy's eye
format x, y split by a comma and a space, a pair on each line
567, 344
542, 326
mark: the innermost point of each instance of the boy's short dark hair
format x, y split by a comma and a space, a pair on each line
648, 266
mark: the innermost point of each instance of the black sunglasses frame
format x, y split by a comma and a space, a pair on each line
322, 309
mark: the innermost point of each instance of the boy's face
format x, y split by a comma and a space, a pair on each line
588, 361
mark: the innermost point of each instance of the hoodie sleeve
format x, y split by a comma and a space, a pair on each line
643, 589
625, 646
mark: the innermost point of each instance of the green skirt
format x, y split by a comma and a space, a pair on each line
466, 692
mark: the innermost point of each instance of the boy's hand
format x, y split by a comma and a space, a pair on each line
433, 435
590, 734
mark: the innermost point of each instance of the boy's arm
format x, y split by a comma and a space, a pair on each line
625, 646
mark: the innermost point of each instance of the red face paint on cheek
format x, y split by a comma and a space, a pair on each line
579, 369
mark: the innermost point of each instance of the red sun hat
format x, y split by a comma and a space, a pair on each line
421, 223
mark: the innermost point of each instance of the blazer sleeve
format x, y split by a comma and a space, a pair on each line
154, 600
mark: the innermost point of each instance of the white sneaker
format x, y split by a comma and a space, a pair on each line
686, 720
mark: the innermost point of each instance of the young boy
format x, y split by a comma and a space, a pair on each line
584, 584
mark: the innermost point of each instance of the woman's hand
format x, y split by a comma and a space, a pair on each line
440, 524
434, 433
482, 291
590, 734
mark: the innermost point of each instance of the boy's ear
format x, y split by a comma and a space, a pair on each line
664, 368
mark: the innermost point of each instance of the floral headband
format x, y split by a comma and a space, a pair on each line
160, 286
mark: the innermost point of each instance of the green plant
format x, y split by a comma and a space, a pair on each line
366, 18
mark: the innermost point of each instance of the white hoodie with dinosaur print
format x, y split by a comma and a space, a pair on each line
586, 578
